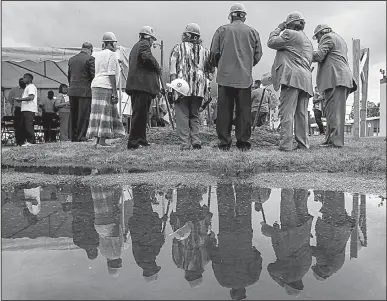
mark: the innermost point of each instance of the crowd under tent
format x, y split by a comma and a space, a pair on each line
49, 67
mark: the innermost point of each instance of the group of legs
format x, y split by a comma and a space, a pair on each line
293, 110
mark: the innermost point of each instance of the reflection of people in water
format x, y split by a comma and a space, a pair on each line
260, 195
145, 228
65, 197
84, 234
108, 226
333, 229
291, 241
235, 261
33, 204
190, 254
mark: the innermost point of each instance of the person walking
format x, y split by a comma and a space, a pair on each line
189, 61
80, 75
105, 122
17, 92
49, 118
29, 107
334, 80
318, 109
291, 71
143, 84
62, 104
235, 49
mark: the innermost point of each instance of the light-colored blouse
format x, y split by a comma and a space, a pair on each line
106, 64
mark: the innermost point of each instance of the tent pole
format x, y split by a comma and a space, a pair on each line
64, 73
12, 63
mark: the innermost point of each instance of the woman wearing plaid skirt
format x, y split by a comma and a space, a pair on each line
104, 121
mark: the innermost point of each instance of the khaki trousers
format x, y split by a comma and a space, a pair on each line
293, 111
188, 121
334, 107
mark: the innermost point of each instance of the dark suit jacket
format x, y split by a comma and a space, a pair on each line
80, 74
144, 70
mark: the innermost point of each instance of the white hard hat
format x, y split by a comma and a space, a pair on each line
320, 28
109, 37
147, 30
238, 7
294, 16
180, 86
192, 28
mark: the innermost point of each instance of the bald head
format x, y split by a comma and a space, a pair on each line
87, 47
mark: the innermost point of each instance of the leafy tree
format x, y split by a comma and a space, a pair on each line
373, 110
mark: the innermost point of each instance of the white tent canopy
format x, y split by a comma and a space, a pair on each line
48, 65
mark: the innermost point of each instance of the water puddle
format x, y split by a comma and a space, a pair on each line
71, 170
227, 241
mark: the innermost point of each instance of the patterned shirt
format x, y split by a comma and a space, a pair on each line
188, 61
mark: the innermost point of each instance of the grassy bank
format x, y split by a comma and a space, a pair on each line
368, 184
362, 157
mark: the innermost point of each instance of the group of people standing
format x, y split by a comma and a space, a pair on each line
233, 253
235, 49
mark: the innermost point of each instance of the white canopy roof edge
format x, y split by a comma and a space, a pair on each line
42, 54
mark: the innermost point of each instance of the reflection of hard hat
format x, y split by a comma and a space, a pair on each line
196, 282
114, 272
180, 86
151, 279
192, 28
291, 291
294, 16
238, 8
147, 30
320, 28
109, 37
318, 274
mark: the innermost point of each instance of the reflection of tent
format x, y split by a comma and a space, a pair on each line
48, 65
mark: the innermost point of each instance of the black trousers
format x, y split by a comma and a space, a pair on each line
227, 96
49, 121
17, 125
317, 116
141, 102
27, 128
79, 117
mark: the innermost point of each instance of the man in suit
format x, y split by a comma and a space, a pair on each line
142, 85
334, 80
80, 75
292, 73
235, 49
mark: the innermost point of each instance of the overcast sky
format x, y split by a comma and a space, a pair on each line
69, 24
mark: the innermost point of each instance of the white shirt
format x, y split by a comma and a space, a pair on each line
32, 105
106, 64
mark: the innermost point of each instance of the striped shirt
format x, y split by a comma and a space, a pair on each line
187, 62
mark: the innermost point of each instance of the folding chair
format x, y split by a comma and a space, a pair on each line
38, 129
7, 129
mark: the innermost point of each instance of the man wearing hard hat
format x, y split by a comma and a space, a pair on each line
143, 84
235, 49
334, 80
189, 61
291, 71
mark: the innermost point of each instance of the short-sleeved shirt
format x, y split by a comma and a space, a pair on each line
49, 105
32, 105
106, 64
